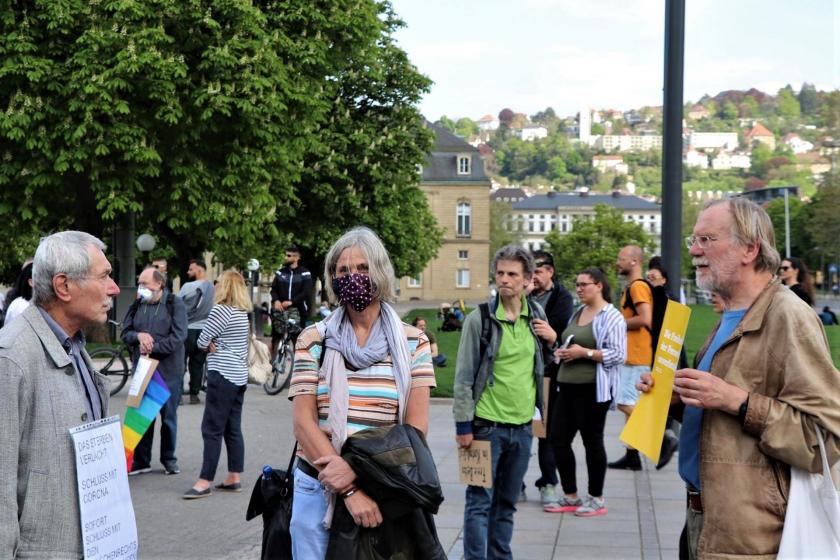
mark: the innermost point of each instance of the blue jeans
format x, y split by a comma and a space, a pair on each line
488, 512
168, 429
309, 537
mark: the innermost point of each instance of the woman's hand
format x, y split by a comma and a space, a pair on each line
336, 474
573, 352
365, 512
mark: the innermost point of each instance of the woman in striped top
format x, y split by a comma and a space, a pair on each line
362, 367
587, 383
225, 337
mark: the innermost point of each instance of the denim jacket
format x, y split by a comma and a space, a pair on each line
473, 374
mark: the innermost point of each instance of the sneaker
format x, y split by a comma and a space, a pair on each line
195, 399
522, 496
592, 507
172, 468
139, 470
564, 505
630, 461
548, 495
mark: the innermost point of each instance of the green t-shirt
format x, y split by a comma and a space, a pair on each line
513, 395
582, 370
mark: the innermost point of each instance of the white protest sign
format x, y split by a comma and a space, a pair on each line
109, 529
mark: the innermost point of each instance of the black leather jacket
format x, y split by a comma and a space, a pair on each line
395, 467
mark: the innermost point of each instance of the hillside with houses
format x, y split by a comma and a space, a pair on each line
732, 142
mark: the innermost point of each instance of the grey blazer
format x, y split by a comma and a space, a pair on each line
41, 398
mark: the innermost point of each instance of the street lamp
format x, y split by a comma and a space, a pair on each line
254, 267
146, 244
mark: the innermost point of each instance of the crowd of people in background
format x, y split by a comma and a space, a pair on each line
359, 368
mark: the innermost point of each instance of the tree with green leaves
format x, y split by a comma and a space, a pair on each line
208, 119
822, 224
800, 215
788, 103
830, 112
595, 241
465, 127
809, 100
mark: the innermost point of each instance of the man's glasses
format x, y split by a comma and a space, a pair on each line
702, 241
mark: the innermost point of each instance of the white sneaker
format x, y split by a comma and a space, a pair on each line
548, 495
592, 507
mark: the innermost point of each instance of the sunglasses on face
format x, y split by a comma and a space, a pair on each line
784, 268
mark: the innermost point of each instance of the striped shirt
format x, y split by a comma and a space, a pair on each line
610, 331
373, 394
228, 327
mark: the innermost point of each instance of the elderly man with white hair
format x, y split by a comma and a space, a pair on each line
48, 386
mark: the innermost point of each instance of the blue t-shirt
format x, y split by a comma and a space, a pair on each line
689, 457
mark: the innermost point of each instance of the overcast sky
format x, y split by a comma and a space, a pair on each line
484, 55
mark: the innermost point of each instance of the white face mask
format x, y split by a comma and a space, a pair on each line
145, 293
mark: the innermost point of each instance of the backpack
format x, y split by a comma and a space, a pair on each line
660, 298
484, 341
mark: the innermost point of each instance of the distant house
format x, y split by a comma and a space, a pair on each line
535, 216
610, 163
712, 140
698, 112
488, 123
457, 189
814, 162
796, 143
726, 160
767, 194
759, 133
510, 195
532, 132
693, 158
627, 142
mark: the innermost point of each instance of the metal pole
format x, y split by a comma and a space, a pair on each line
787, 225
672, 142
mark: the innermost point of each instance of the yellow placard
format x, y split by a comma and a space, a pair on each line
646, 426
475, 464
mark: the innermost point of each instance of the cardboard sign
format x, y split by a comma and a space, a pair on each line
539, 425
646, 426
109, 528
142, 374
475, 466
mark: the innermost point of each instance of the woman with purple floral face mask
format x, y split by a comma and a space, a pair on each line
360, 368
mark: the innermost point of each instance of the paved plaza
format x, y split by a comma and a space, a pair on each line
644, 519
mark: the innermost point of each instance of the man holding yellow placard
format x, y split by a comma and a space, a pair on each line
764, 382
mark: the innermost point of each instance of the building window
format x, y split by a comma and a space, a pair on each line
462, 278
564, 227
653, 227
463, 165
464, 227
463, 255
415, 282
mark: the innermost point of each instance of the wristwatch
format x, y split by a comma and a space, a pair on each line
590, 353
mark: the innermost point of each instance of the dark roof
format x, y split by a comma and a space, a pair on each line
508, 193
442, 163
554, 200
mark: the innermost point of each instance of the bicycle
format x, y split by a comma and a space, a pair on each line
284, 358
110, 361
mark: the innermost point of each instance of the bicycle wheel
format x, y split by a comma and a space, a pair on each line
111, 363
281, 370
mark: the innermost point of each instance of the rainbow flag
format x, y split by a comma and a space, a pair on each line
138, 420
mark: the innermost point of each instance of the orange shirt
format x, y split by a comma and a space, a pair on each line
639, 350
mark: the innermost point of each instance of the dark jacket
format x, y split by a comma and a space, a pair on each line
295, 285
558, 310
395, 467
166, 321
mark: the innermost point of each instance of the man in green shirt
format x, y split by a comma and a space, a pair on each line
498, 384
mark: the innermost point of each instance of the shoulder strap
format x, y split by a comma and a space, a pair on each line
628, 299
170, 303
484, 341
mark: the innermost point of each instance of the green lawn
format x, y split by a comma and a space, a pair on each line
703, 319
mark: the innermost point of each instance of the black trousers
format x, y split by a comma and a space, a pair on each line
575, 410
222, 420
196, 357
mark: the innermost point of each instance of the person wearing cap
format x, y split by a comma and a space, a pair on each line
556, 300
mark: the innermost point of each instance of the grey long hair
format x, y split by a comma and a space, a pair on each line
63, 252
